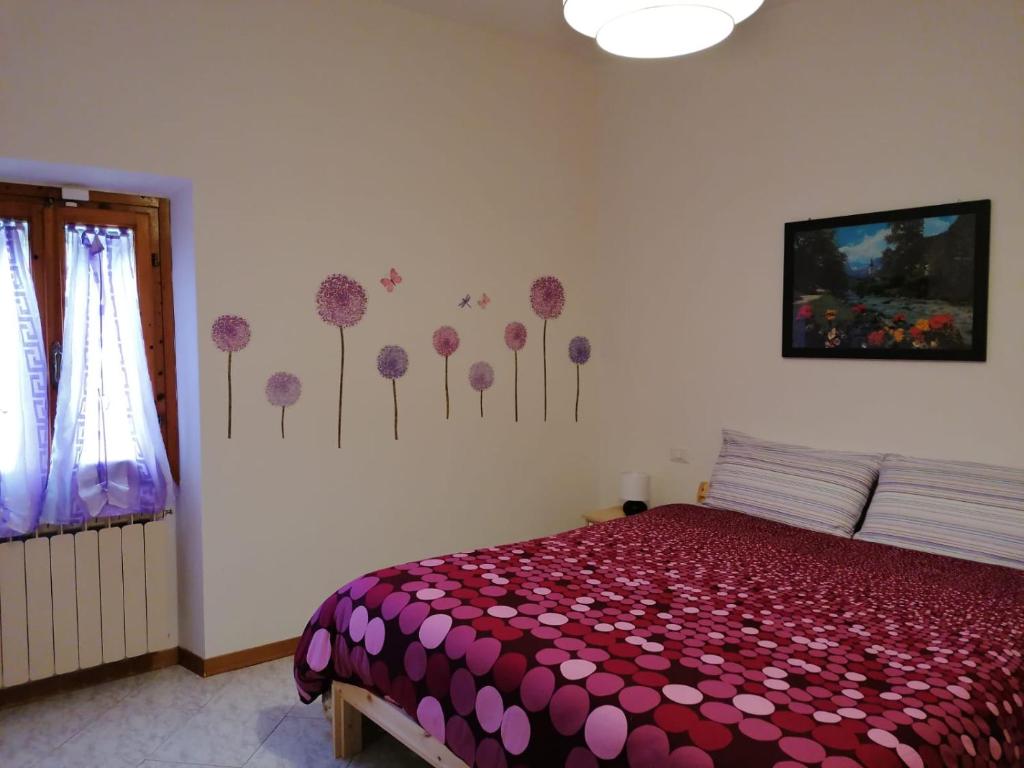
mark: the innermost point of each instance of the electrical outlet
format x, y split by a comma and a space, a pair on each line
679, 455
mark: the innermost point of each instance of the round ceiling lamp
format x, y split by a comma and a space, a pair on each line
656, 29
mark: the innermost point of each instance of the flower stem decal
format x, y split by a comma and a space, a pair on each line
547, 297
446, 341
231, 334
515, 339
283, 389
579, 353
392, 363
341, 302
481, 377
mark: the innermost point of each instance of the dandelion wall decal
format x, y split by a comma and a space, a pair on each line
547, 297
515, 339
283, 389
481, 377
341, 301
446, 341
579, 353
231, 334
393, 362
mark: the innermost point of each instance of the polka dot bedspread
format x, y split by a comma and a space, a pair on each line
687, 637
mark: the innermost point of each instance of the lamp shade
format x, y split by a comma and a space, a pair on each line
651, 29
635, 486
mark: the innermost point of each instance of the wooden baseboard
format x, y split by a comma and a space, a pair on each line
238, 659
82, 678
104, 673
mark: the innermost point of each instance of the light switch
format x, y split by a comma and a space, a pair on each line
679, 455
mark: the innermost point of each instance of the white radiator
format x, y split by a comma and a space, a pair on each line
73, 601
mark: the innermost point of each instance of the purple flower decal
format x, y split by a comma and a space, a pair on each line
231, 334
283, 389
481, 377
579, 350
515, 339
515, 336
579, 353
446, 341
341, 301
393, 362
547, 297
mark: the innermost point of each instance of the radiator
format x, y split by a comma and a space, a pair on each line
76, 600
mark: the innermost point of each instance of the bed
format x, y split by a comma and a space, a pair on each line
682, 637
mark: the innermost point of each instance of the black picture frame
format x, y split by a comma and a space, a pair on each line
910, 272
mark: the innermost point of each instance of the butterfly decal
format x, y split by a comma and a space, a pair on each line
465, 303
484, 301
392, 280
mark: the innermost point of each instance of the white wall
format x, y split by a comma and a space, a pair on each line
352, 137
339, 137
813, 108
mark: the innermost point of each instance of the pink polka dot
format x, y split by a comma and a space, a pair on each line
319, 652
536, 688
605, 731
463, 691
568, 709
431, 717
357, 624
718, 712
551, 657
374, 638
805, 750
682, 694
753, 705
434, 629
647, 747
458, 641
429, 594
515, 730
910, 756
638, 698
690, 757
482, 654
604, 684
411, 617
760, 730
552, 619
489, 709
502, 611
577, 669
581, 757
883, 738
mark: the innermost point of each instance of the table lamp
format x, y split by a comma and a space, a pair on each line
635, 492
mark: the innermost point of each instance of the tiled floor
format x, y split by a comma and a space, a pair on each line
173, 719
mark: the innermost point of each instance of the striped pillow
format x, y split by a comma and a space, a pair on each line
818, 490
960, 509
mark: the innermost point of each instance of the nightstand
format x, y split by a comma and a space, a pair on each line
603, 515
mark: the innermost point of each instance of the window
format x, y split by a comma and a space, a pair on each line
101, 273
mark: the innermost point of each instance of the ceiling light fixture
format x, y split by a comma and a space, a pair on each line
656, 29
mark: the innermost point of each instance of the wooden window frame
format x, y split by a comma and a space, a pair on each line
150, 217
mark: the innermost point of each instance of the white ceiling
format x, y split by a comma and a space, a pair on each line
539, 20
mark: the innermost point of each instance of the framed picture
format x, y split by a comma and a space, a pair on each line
896, 285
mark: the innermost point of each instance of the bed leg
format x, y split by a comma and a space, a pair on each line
346, 725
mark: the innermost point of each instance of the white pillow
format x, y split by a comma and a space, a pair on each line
809, 488
960, 509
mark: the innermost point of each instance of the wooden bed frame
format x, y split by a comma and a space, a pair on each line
349, 704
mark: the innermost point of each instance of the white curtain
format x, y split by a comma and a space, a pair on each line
108, 455
24, 409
